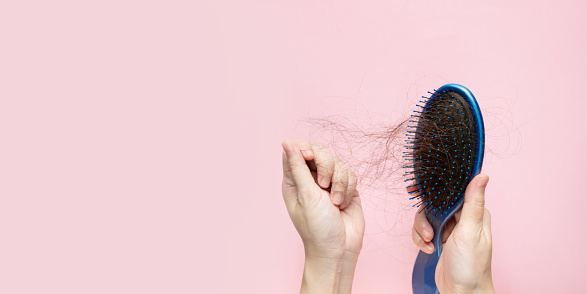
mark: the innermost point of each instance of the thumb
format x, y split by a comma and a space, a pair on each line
294, 165
474, 205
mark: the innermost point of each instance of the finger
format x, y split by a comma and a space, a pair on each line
287, 175
427, 247
295, 167
457, 215
306, 149
308, 154
423, 227
351, 189
355, 211
289, 192
474, 205
355, 203
450, 226
340, 183
487, 224
324, 164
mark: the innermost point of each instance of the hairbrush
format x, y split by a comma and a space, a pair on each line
445, 145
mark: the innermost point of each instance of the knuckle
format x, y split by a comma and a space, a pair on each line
479, 204
319, 148
323, 161
342, 173
340, 177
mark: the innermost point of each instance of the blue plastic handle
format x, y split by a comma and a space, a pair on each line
423, 277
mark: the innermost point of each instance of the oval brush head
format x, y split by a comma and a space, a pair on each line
445, 151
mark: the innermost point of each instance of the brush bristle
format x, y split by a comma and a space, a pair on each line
440, 149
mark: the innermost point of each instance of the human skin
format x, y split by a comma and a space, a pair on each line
324, 205
465, 262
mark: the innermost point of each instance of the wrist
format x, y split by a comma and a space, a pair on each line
486, 286
329, 275
487, 289
483, 287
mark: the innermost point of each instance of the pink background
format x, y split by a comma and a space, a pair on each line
140, 140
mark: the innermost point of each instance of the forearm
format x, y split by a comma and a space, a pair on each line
325, 275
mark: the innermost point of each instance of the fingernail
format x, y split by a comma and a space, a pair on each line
427, 234
337, 198
430, 247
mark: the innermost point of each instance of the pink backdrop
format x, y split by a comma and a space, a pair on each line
140, 140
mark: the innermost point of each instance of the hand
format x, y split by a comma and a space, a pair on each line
465, 262
323, 203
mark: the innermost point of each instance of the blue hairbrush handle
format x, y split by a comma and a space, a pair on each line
423, 277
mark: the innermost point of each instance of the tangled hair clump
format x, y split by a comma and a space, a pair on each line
374, 152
